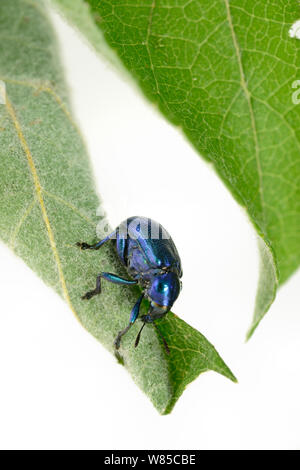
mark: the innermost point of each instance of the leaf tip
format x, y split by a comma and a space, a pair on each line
120, 359
229, 375
234, 379
250, 332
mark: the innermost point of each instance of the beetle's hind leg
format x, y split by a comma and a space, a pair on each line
95, 246
114, 278
95, 291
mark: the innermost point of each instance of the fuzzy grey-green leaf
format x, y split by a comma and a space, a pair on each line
48, 202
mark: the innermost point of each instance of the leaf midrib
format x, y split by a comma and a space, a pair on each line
250, 107
39, 194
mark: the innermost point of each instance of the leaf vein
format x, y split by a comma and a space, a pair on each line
249, 102
44, 88
21, 222
68, 204
39, 195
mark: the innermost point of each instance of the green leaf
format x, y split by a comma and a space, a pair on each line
223, 71
48, 202
78, 13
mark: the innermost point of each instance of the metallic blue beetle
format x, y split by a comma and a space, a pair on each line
150, 256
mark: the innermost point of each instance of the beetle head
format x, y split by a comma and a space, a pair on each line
163, 292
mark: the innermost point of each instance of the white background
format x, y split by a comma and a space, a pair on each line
61, 389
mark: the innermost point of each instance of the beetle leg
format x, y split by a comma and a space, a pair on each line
133, 316
94, 292
121, 333
96, 246
114, 278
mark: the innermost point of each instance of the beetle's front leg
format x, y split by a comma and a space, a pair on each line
121, 333
133, 316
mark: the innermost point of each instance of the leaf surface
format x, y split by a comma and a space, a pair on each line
48, 202
223, 71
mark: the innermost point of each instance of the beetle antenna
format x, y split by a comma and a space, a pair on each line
163, 339
139, 336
